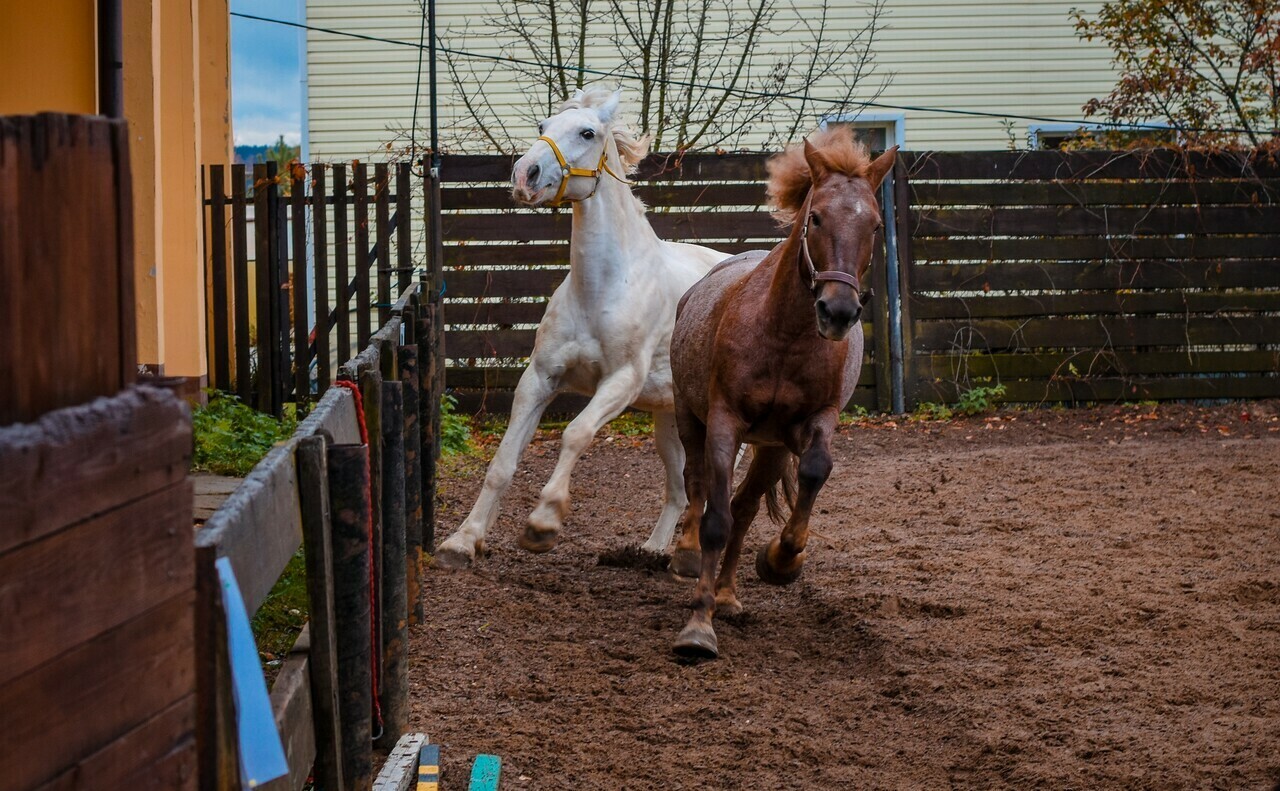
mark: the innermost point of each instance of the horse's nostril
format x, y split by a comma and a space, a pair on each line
857, 313
533, 172
823, 311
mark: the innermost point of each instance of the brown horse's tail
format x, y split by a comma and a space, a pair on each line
786, 486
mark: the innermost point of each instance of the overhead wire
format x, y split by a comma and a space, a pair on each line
744, 92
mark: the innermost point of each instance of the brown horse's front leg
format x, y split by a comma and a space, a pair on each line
686, 559
768, 465
781, 562
698, 638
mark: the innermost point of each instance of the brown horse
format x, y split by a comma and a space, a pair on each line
767, 349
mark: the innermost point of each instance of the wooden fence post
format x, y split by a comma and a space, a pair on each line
411, 389
216, 739
394, 681
430, 397
350, 507
317, 536
902, 216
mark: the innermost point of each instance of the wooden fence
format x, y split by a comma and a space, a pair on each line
502, 263
1065, 277
97, 584
298, 281
1091, 276
362, 515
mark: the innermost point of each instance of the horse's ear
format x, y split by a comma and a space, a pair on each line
817, 165
880, 166
610, 106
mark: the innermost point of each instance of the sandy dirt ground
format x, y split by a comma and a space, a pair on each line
1049, 599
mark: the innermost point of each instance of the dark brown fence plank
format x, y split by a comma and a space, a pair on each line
1093, 248
1095, 193
404, 227
342, 273
1068, 165
658, 196
1085, 363
1124, 302
292, 705
221, 318
320, 226
1037, 276
469, 255
459, 312
361, 186
382, 201
672, 226
298, 284
262, 283
1097, 332
240, 280
1115, 222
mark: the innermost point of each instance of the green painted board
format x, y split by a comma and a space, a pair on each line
484, 773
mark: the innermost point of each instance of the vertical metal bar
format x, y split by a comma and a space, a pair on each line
262, 267
301, 327
382, 192
363, 330
320, 223
218, 262
902, 212
240, 281
342, 272
404, 226
894, 319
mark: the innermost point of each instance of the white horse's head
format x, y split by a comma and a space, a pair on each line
580, 133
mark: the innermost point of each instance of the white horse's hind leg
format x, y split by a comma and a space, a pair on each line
533, 395
612, 396
672, 454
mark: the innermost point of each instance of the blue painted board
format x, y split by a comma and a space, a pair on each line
429, 768
484, 773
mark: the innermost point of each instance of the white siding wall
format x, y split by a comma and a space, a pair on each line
1006, 56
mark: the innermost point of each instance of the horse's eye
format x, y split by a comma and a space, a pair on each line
815, 219
539, 128
587, 134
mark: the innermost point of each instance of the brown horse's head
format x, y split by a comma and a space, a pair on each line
826, 187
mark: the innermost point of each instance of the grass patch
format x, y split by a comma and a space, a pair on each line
231, 437
455, 429
280, 619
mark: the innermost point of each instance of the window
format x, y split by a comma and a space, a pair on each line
1048, 137
878, 130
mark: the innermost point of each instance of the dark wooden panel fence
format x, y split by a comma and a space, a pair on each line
355, 509
1091, 276
296, 278
501, 263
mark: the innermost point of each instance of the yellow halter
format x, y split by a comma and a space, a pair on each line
567, 172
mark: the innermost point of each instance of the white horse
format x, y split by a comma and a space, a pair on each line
607, 329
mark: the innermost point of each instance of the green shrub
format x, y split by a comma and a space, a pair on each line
230, 437
977, 400
455, 429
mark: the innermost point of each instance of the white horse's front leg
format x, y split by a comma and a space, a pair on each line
612, 396
672, 454
533, 395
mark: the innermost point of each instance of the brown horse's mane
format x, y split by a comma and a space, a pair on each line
789, 178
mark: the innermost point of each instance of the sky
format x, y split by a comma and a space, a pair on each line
266, 74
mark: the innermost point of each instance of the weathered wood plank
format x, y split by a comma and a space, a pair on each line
1095, 193
66, 467
1108, 221
527, 226
1088, 248
1089, 363
334, 417
113, 683
158, 755
1066, 165
81, 582
393, 609
1093, 332
259, 527
400, 772
1097, 275
292, 705
995, 305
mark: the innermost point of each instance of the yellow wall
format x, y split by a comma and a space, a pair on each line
48, 57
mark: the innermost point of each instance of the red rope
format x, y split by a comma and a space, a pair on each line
375, 654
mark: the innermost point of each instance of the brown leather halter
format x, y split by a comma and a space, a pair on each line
815, 276
567, 172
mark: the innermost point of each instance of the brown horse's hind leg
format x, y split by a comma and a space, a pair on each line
686, 558
698, 638
767, 467
781, 562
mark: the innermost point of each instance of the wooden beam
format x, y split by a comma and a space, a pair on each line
400, 772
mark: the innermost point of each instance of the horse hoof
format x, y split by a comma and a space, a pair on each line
767, 573
727, 604
452, 558
538, 541
696, 641
686, 563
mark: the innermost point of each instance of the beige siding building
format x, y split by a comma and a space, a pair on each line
1021, 58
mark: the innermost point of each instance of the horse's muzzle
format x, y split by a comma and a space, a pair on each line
836, 316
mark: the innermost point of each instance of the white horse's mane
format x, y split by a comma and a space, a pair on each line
631, 149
